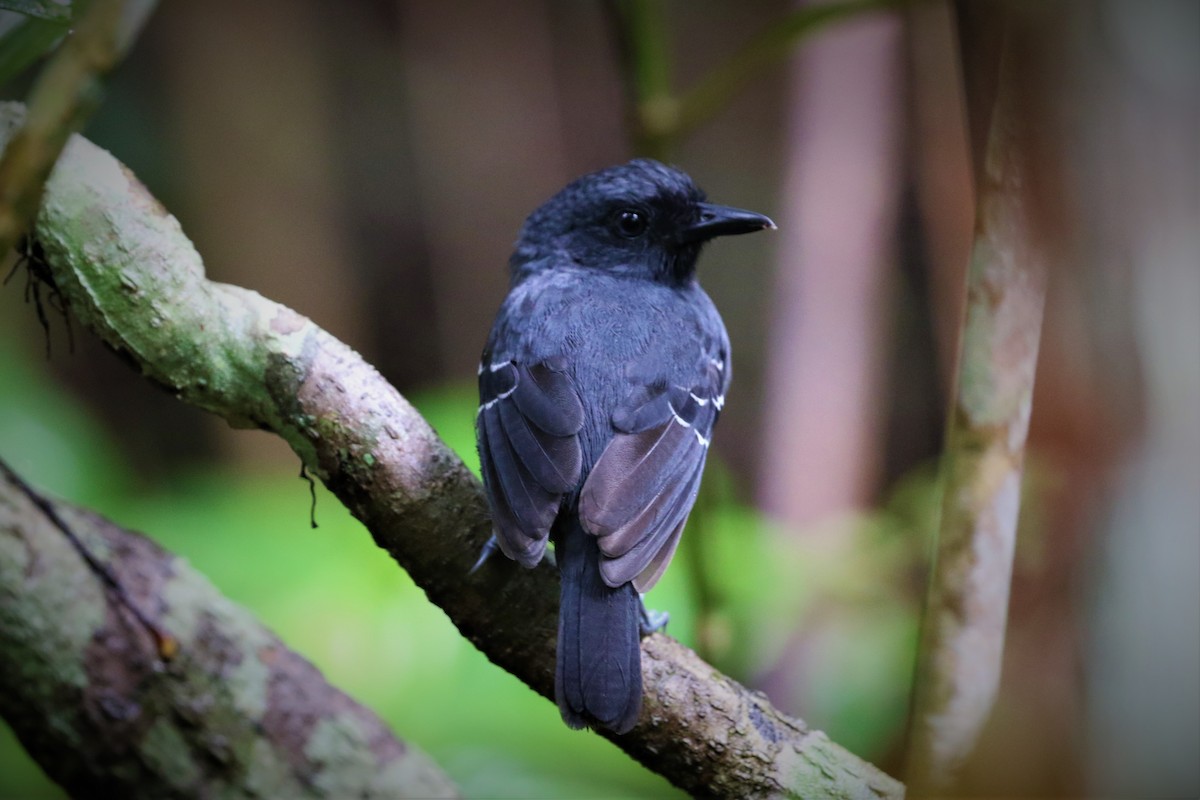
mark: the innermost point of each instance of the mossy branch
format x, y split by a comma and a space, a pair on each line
131, 275
234, 714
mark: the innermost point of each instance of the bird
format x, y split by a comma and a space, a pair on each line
599, 385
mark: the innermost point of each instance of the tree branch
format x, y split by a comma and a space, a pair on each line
131, 275
236, 713
963, 628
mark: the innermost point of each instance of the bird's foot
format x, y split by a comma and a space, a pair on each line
651, 621
489, 548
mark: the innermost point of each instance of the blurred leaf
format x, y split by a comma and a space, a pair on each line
26, 42
19, 775
59, 11
47, 437
858, 688
838, 600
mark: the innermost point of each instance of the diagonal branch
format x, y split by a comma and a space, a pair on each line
131, 275
235, 714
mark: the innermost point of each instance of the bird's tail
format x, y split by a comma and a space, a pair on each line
599, 676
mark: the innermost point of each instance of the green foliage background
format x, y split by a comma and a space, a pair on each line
343, 603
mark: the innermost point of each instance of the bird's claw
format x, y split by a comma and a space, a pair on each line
651, 621
486, 552
491, 547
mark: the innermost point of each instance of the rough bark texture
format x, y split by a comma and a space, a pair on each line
962, 643
131, 275
234, 714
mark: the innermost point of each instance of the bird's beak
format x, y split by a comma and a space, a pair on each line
717, 220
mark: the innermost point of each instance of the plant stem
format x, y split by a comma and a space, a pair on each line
772, 45
646, 55
66, 93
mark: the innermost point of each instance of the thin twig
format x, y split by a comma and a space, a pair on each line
641, 32
660, 118
66, 93
713, 92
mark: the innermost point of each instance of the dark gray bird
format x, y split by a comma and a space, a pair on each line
599, 386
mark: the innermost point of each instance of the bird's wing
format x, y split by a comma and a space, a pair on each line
637, 497
527, 430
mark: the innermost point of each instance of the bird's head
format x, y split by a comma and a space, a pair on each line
641, 219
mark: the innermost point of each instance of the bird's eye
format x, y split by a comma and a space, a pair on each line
630, 223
